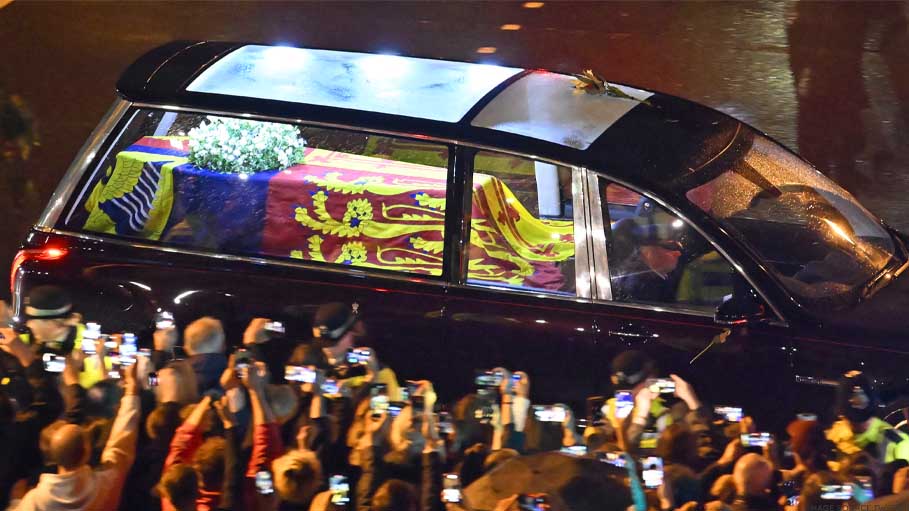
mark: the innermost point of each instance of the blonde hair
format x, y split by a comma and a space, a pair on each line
283, 400
204, 335
297, 475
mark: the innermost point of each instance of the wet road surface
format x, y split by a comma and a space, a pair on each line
830, 80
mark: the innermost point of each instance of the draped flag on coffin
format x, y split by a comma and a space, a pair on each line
333, 207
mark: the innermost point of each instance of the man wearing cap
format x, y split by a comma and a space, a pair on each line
336, 328
631, 371
858, 429
53, 326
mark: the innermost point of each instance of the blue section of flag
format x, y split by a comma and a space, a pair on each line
139, 148
130, 212
218, 211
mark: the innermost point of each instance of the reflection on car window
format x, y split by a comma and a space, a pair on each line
241, 186
655, 257
522, 224
820, 242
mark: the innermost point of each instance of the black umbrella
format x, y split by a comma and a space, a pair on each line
573, 483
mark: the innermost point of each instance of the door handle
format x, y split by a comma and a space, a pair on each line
631, 332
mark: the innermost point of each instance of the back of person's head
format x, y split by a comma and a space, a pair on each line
283, 400
209, 462
103, 399
812, 496
753, 475
298, 476
204, 335
180, 485
678, 445
395, 495
497, 458
809, 442
601, 493
69, 448
163, 422
683, 484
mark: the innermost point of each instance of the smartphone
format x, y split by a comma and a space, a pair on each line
109, 342
92, 333
595, 410
242, 358
549, 413
652, 471
419, 404
575, 450
330, 387
729, 413
445, 425
54, 363
756, 439
264, 483
164, 320
806, 417
114, 374
451, 488
395, 407
340, 489
153, 379
836, 492
624, 403
358, 356
300, 374
865, 490
616, 459
532, 503
275, 327
128, 349
489, 379
378, 403
661, 385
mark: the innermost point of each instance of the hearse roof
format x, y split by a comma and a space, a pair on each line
637, 134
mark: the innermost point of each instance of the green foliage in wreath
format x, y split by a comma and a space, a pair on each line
244, 146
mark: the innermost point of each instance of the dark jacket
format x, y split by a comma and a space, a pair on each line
208, 368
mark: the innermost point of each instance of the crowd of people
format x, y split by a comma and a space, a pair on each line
90, 422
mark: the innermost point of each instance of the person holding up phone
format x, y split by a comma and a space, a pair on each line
338, 328
635, 372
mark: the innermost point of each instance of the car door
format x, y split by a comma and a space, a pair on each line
522, 298
658, 284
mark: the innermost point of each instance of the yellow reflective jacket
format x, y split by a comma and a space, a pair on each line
92, 372
894, 443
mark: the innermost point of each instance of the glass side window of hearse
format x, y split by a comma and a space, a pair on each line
656, 257
522, 224
260, 188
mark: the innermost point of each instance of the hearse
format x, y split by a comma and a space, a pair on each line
477, 215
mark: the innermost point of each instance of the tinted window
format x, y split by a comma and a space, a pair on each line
655, 257
271, 189
522, 224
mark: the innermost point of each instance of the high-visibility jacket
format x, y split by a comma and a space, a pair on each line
892, 443
92, 372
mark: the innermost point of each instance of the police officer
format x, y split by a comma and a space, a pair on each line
51, 326
647, 412
337, 328
857, 429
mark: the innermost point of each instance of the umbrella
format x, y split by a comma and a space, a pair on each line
573, 483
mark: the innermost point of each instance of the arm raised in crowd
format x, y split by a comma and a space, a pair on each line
372, 447
233, 469
266, 434
74, 395
46, 403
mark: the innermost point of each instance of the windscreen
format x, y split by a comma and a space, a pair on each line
818, 240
